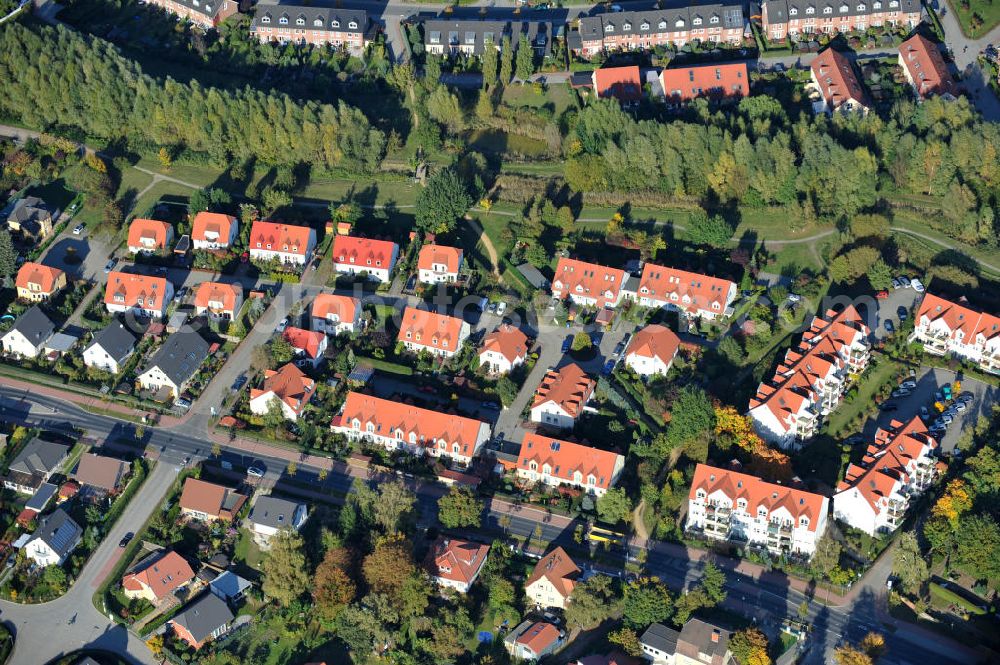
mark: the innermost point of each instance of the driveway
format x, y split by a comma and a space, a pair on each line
929, 381
48, 630
888, 310
91, 253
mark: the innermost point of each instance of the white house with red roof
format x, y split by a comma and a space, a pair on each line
397, 426
439, 334
373, 259
652, 350
503, 349
309, 345
811, 379
561, 396
554, 462
218, 300
141, 294
147, 236
729, 505
553, 580
333, 314
689, 293
284, 243
944, 327
897, 467
588, 284
289, 386
213, 230
455, 564
438, 264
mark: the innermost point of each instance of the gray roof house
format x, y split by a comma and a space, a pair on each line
675, 16
229, 586
33, 465
204, 619
111, 347
31, 216
470, 36
659, 643
29, 334
56, 536
270, 514
175, 363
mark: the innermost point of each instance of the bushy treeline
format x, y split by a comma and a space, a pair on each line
54, 76
757, 155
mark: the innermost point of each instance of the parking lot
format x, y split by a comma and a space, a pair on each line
929, 381
888, 310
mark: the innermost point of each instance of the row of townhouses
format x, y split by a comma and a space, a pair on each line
783, 18
811, 379
470, 37
946, 328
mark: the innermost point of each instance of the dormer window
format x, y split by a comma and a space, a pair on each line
662, 25
679, 23
283, 20
300, 21
265, 19
844, 9
627, 26
335, 23
810, 10
876, 5
714, 19
828, 9
644, 25
609, 28
696, 20
793, 12
861, 7
318, 23
353, 25
894, 3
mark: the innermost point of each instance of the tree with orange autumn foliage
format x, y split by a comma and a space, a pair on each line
766, 461
955, 501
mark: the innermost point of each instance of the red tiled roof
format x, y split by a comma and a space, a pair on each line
37, 273
213, 294
141, 229
716, 81
539, 636
558, 569
565, 458
622, 83
456, 560
431, 255
757, 492
363, 252
588, 280
426, 328
429, 428
161, 576
837, 81
208, 498
926, 66
131, 287
958, 317
289, 384
343, 307
654, 341
508, 341
214, 223
281, 237
695, 292
304, 341
569, 387
887, 459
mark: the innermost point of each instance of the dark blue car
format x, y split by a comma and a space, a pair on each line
567, 343
608, 368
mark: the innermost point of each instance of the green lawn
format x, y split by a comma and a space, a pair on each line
247, 551
942, 599
841, 418
56, 194
976, 17
559, 96
170, 191
133, 181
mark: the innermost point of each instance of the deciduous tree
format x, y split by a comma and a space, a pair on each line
286, 576
459, 508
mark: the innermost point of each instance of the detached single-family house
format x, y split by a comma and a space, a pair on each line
229, 586
99, 475
208, 502
621, 83
455, 564
219, 301
283, 243
588, 284
503, 349
149, 236
56, 536
925, 68
203, 620
36, 282
212, 230
531, 640
157, 576
36, 462
31, 218
28, 336
140, 294
553, 579
309, 345
374, 259
561, 396
437, 264
111, 347
441, 335
174, 365
652, 350
271, 514
837, 84
333, 314
289, 386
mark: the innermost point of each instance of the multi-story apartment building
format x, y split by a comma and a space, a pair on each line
472, 36
719, 83
284, 243
397, 426
781, 18
140, 294
438, 334
728, 505
946, 328
833, 78
373, 259
206, 13
720, 22
317, 26
689, 293
561, 396
897, 467
925, 68
812, 378
588, 284
554, 462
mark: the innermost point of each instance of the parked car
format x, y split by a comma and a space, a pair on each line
909, 384
609, 367
917, 286
937, 429
946, 419
256, 471
882, 295
900, 392
887, 407
78, 229
905, 282
960, 406
902, 312
239, 382
946, 391
183, 403
895, 283
110, 265
501, 307
281, 325
619, 348
924, 413
967, 397
889, 328
126, 539
567, 344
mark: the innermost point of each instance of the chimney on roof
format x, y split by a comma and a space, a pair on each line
715, 636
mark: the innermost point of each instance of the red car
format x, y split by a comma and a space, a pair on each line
882, 295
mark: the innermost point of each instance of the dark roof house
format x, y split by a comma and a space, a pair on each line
117, 340
180, 356
35, 326
34, 464
204, 619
